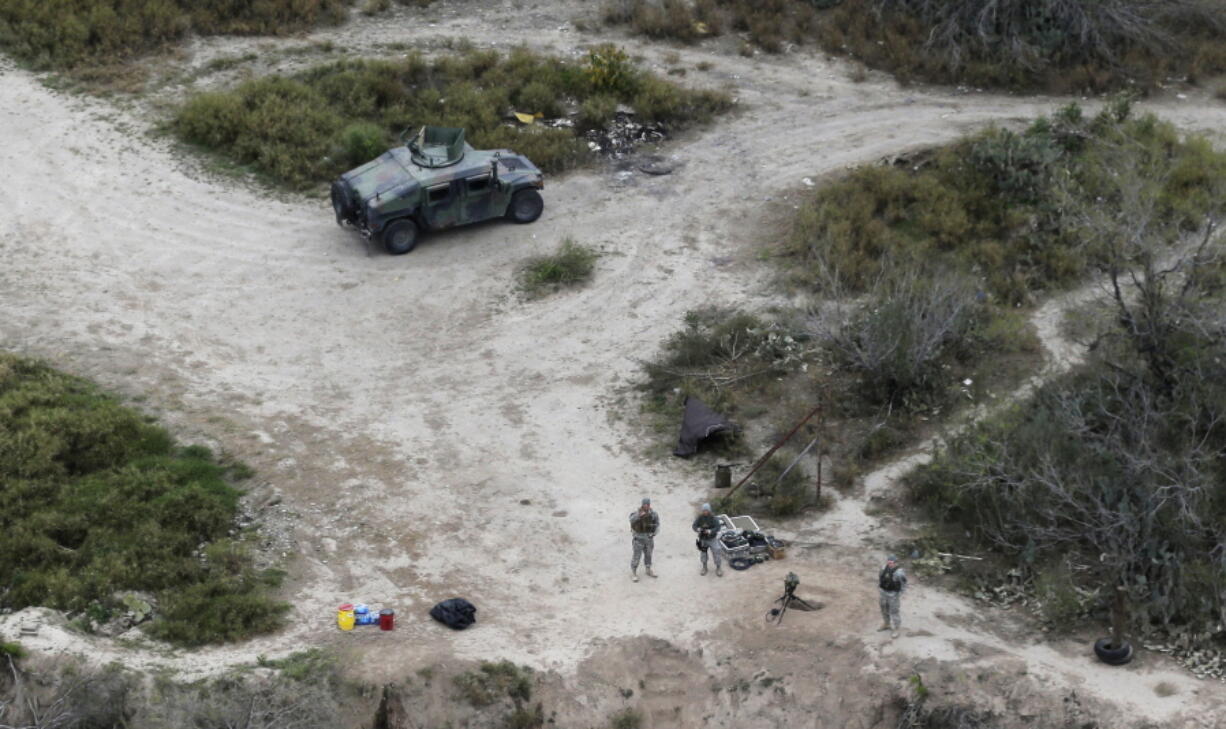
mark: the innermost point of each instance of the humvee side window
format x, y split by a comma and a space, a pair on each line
439, 193
479, 184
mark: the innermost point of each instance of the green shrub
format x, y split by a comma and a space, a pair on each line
71, 33
362, 142
303, 129
94, 499
992, 205
571, 265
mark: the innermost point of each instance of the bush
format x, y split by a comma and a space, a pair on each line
362, 142
1115, 467
571, 265
94, 499
306, 128
991, 205
900, 336
1065, 46
492, 681
71, 33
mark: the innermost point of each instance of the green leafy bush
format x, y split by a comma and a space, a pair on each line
991, 204
69, 33
305, 128
95, 499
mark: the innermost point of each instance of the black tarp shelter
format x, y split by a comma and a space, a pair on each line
699, 422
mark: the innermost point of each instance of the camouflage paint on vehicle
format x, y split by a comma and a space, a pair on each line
464, 186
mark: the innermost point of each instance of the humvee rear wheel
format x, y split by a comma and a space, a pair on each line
526, 206
400, 237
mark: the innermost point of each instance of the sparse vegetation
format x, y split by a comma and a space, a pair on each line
570, 265
1060, 45
303, 129
97, 499
1063, 45
72, 33
626, 719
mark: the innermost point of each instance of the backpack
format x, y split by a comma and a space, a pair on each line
887, 581
456, 613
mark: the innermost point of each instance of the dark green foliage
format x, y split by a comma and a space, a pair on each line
303, 129
1117, 467
69, 33
990, 205
571, 265
13, 650
95, 499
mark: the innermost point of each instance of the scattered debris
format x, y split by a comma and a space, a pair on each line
622, 134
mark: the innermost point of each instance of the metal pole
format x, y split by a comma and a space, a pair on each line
771, 452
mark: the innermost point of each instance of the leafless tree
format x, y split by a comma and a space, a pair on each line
1124, 460
250, 702
1029, 32
896, 333
62, 695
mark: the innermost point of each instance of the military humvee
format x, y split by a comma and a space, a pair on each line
434, 181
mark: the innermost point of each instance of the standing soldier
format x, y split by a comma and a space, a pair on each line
644, 524
892, 581
707, 526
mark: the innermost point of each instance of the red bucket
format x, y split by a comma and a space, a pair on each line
387, 619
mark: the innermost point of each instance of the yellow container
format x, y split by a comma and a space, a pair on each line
344, 617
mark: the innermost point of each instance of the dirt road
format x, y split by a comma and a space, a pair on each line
432, 434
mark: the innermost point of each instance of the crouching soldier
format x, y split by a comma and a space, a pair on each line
644, 524
707, 527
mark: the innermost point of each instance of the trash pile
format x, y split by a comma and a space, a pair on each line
618, 139
622, 134
745, 544
1203, 662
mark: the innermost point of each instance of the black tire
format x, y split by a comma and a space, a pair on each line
1112, 655
740, 563
526, 206
400, 237
341, 204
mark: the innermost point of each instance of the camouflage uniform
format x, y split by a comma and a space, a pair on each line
643, 528
707, 526
891, 582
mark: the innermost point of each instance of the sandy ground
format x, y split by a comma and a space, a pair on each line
432, 434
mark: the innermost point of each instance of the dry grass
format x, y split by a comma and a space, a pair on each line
1058, 45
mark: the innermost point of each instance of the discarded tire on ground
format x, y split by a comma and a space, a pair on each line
1113, 655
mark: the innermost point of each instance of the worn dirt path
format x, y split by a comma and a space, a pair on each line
432, 434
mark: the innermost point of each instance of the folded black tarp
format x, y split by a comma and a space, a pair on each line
699, 422
456, 613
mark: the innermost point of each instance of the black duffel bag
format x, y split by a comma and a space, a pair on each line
456, 613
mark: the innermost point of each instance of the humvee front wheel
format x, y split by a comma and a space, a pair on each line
400, 237
526, 206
